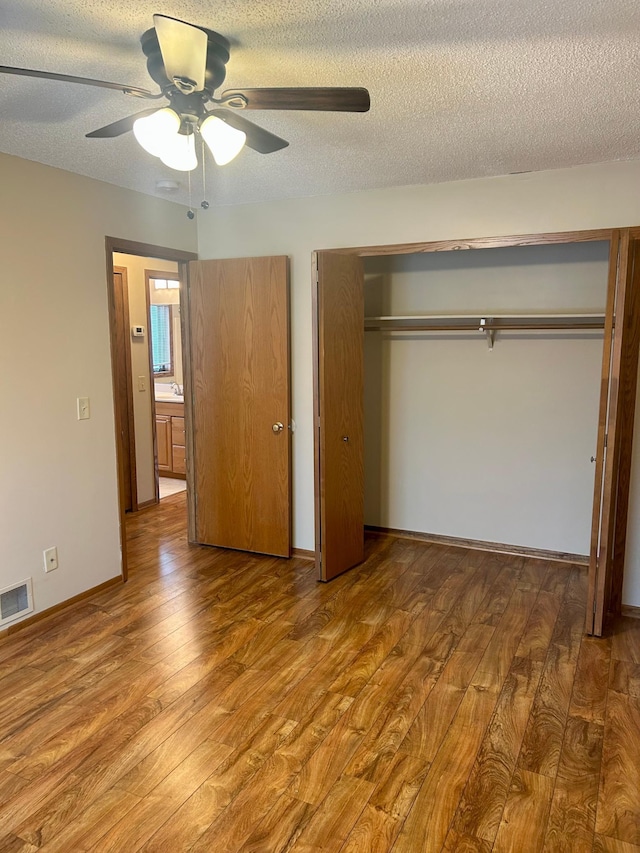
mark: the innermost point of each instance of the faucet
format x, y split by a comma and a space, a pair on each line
177, 390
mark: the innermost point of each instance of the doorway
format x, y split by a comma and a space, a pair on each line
131, 352
236, 429
153, 345
164, 338
162, 288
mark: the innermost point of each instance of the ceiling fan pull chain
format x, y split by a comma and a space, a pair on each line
191, 214
204, 204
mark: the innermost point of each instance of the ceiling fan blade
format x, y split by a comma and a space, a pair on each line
354, 100
86, 81
258, 138
184, 50
117, 128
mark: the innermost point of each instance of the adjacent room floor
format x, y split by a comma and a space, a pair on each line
433, 699
171, 486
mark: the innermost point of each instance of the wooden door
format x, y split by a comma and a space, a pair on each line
339, 413
123, 393
615, 432
238, 352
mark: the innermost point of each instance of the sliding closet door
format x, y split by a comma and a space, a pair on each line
615, 432
339, 413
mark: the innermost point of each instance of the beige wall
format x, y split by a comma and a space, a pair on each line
58, 473
599, 196
145, 462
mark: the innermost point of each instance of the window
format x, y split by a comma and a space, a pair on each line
161, 340
163, 298
164, 283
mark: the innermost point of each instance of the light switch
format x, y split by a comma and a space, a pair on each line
142, 383
83, 409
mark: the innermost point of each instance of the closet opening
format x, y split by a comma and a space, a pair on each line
486, 441
489, 403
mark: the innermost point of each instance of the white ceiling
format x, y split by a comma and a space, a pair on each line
459, 88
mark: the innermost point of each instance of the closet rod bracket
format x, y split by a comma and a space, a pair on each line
490, 333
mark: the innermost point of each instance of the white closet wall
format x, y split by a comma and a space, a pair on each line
490, 445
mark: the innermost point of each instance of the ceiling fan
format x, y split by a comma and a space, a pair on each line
188, 64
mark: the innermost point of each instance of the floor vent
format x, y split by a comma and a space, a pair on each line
15, 601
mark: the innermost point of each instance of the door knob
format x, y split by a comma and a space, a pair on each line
345, 438
277, 427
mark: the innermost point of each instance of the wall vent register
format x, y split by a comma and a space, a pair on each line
16, 601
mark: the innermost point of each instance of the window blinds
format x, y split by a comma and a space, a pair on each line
161, 338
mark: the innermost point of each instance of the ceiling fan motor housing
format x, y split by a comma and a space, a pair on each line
190, 108
217, 58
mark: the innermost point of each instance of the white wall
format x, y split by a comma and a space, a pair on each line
465, 441
58, 473
600, 196
145, 462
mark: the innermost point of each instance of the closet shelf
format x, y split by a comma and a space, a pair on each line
483, 322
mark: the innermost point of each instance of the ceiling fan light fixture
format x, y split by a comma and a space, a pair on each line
224, 142
154, 132
180, 153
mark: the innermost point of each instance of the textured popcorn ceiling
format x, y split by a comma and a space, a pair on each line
459, 88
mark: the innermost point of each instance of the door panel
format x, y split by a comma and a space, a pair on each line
339, 358
615, 431
627, 403
123, 393
163, 442
239, 367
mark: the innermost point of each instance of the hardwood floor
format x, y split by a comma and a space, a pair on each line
433, 699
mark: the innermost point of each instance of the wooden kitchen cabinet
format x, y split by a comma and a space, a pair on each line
170, 438
163, 437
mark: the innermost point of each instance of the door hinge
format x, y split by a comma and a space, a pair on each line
606, 437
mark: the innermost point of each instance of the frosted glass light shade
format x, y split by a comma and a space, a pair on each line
225, 142
180, 153
153, 132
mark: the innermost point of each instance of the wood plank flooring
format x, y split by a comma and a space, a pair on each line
432, 699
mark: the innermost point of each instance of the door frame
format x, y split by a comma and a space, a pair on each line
615, 438
617, 483
182, 258
148, 275
123, 408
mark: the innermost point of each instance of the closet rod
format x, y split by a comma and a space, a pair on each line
485, 322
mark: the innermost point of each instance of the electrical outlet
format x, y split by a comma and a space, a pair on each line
50, 559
